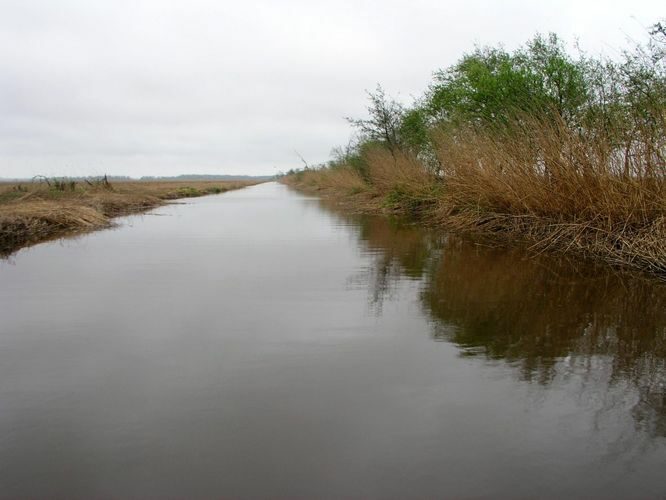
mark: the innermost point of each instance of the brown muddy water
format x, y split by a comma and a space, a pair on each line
259, 345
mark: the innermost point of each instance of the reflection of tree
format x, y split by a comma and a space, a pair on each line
396, 251
543, 314
399, 244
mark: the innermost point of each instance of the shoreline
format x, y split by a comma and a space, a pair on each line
35, 213
537, 234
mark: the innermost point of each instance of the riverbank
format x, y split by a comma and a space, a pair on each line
629, 232
566, 152
37, 211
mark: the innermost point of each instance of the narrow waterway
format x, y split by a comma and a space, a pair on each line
262, 344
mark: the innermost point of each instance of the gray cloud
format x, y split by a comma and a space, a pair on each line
162, 87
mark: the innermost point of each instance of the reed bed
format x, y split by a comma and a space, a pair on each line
545, 184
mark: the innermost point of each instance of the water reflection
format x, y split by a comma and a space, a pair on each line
397, 251
555, 320
551, 318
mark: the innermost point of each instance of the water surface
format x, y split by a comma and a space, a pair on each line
263, 344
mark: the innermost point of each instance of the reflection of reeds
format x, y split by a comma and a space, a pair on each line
539, 309
393, 258
33, 212
523, 307
532, 313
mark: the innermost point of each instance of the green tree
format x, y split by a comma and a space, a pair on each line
558, 83
485, 87
491, 87
383, 124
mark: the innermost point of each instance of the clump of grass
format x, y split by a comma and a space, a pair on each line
187, 192
37, 220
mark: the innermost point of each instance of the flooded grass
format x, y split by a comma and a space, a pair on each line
33, 212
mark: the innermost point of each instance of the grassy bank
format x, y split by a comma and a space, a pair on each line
485, 189
47, 208
566, 153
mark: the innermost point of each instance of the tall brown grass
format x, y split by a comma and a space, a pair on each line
33, 212
542, 181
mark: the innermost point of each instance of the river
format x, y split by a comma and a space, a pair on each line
263, 344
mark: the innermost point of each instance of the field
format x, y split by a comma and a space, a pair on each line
47, 208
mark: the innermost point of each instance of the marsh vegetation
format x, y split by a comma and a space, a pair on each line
49, 207
567, 152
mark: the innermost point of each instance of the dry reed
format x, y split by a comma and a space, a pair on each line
543, 182
33, 212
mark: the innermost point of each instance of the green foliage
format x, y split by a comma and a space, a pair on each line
383, 124
491, 87
413, 129
401, 198
558, 82
354, 155
395, 197
483, 87
188, 192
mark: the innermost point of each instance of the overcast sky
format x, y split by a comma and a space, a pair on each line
165, 87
